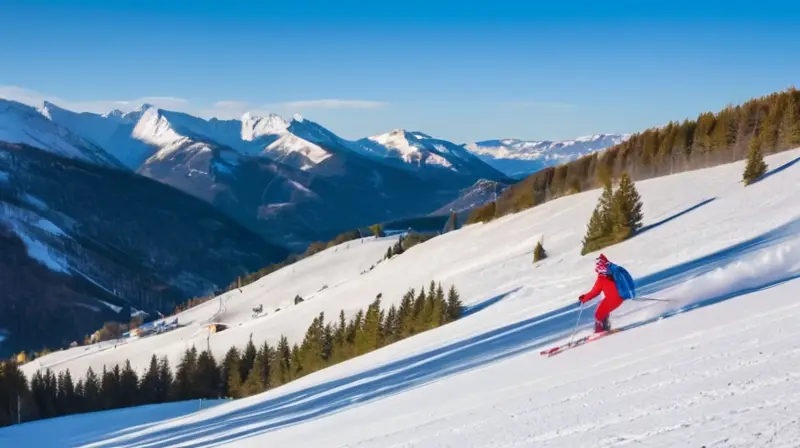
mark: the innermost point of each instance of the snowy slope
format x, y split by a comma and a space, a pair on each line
20, 123
78, 429
519, 157
723, 366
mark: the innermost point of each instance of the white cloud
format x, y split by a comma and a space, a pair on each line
226, 109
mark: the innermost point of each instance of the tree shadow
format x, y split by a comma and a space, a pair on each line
480, 306
776, 170
395, 377
675, 216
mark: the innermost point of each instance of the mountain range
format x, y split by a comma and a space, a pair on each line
139, 210
519, 158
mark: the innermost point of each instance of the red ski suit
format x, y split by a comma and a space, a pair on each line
611, 299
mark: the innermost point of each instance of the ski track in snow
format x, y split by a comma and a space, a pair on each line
717, 366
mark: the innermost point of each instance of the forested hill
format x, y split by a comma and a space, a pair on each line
772, 122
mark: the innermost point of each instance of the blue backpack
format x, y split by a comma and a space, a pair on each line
623, 280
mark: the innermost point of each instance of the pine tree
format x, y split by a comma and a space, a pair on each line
234, 385
755, 166
598, 231
454, 305
207, 376
166, 381
327, 344
406, 314
69, 405
183, 388
538, 252
91, 391
80, 403
248, 359
230, 364
254, 384
284, 357
110, 388
368, 338
148, 387
626, 210
129, 386
789, 132
441, 305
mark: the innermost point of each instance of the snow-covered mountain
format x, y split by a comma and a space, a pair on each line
20, 123
518, 158
712, 362
423, 151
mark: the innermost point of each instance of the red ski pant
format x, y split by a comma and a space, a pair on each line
609, 304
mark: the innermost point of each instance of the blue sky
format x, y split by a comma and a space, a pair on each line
456, 70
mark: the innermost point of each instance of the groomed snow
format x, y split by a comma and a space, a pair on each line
716, 366
76, 430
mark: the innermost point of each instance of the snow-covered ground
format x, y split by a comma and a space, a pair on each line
76, 430
717, 365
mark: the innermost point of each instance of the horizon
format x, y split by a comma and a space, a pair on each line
531, 72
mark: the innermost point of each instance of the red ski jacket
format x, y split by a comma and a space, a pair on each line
605, 285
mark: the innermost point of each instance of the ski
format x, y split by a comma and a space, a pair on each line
580, 341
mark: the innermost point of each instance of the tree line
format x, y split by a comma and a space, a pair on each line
767, 124
241, 373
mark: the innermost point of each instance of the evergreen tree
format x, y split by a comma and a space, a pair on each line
538, 252
248, 359
599, 229
297, 369
148, 387
230, 364
390, 325
80, 403
454, 305
110, 388
91, 391
129, 386
368, 338
626, 209
327, 344
441, 305
183, 388
254, 384
207, 376
165, 381
68, 397
789, 133
406, 314
755, 166
235, 386
284, 357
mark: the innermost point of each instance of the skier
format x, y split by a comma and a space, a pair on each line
612, 300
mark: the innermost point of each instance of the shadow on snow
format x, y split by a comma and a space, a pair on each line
675, 216
383, 381
776, 170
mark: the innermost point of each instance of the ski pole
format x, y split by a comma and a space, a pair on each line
575, 330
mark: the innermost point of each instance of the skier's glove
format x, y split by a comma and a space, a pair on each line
580, 299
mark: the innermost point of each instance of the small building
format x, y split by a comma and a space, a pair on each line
216, 327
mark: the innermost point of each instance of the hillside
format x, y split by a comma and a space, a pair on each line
724, 254
88, 244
